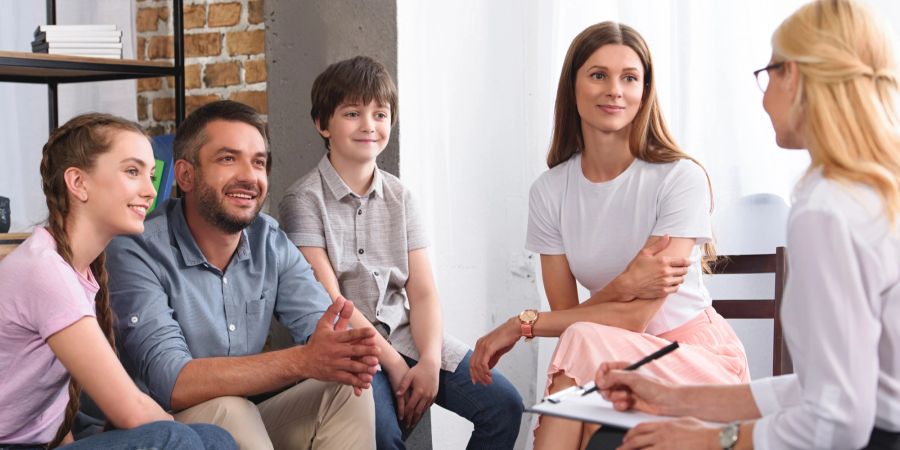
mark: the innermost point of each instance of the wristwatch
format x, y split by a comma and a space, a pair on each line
527, 319
728, 436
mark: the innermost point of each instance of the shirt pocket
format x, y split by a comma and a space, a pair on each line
258, 320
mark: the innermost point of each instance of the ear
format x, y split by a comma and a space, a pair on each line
76, 183
185, 175
791, 79
325, 133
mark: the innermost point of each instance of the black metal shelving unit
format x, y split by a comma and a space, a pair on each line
52, 70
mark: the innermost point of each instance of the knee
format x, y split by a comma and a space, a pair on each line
171, 434
505, 400
581, 331
233, 407
214, 437
361, 406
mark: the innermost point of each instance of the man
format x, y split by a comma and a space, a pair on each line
195, 293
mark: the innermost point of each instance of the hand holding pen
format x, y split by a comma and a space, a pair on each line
627, 389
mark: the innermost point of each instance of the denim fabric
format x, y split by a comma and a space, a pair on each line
495, 410
169, 435
159, 435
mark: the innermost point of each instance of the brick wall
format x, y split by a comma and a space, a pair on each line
224, 48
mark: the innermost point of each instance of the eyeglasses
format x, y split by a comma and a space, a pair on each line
762, 75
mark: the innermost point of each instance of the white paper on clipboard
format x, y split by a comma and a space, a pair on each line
594, 409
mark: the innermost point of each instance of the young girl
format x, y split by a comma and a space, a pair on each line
831, 87
55, 318
618, 186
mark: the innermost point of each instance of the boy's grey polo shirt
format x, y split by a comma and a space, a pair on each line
368, 240
171, 305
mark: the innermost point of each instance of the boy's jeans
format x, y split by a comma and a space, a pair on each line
495, 410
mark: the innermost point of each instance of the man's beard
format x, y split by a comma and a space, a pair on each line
213, 210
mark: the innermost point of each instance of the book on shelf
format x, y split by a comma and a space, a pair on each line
95, 51
67, 36
38, 46
115, 54
78, 28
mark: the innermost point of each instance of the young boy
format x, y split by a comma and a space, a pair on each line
360, 230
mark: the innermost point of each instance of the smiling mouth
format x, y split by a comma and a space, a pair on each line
140, 209
242, 196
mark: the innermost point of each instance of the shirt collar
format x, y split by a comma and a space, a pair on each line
190, 251
337, 186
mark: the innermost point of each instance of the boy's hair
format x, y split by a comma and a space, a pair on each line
359, 79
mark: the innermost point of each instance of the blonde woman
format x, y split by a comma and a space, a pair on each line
617, 186
831, 87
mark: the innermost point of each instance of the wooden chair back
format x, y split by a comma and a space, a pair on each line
758, 309
9, 242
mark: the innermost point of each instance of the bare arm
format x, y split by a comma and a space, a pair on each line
424, 308
321, 265
658, 269
84, 351
333, 353
562, 291
610, 306
391, 361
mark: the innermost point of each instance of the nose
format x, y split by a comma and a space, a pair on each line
246, 171
147, 190
615, 89
367, 125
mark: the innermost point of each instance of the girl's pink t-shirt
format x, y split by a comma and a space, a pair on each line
40, 295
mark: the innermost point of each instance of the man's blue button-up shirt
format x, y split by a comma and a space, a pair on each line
171, 305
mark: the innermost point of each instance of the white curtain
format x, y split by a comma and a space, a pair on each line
477, 84
23, 107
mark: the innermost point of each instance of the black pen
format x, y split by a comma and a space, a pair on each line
657, 354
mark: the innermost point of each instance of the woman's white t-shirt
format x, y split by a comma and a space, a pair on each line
600, 227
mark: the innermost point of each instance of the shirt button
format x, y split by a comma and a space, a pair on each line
359, 212
134, 319
224, 280
231, 327
375, 273
361, 251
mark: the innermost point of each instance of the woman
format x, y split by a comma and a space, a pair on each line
55, 318
618, 186
831, 88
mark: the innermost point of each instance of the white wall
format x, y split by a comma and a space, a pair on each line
477, 83
23, 107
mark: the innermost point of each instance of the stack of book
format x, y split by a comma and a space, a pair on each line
99, 41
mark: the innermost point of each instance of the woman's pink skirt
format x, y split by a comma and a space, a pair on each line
708, 352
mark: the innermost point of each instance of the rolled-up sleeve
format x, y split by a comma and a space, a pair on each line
150, 341
301, 300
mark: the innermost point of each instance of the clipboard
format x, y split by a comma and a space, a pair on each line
593, 408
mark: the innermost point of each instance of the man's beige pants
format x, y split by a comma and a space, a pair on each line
311, 415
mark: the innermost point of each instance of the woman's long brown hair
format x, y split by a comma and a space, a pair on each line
650, 139
78, 143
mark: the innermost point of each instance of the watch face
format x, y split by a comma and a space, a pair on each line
528, 316
729, 436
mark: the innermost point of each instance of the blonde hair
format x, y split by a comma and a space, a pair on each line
650, 139
847, 94
78, 143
